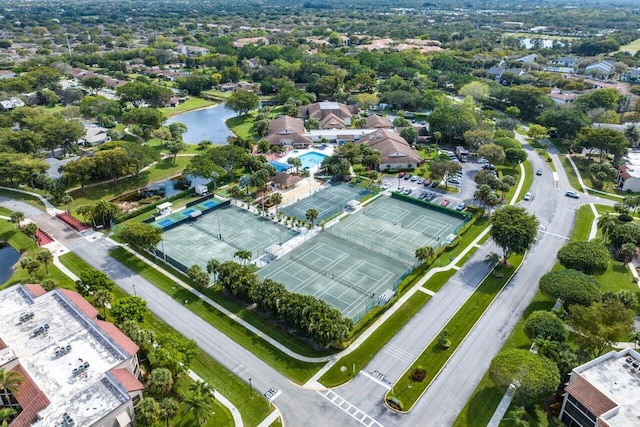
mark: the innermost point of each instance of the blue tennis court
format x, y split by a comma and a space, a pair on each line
280, 167
164, 222
209, 204
188, 212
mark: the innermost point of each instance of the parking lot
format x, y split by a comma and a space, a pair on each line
466, 186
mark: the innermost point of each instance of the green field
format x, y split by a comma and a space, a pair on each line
189, 105
632, 47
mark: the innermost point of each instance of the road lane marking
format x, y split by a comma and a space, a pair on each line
375, 380
351, 410
398, 353
555, 235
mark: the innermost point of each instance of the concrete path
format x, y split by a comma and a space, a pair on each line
594, 225
237, 419
585, 188
51, 210
503, 407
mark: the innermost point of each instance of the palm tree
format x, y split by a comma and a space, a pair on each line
147, 412
66, 199
198, 403
492, 259
168, 409
31, 265
425, 253
607, 224
45, 256
201, 387
101, 298
276, 199
160, 382
311, 215
7, 414
17, 218
9, 382
30, 230
213, 267
628, 251
243, 255
517, 417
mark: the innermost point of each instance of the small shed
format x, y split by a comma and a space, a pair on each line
352, 205
164, 208
284, 180
201, 190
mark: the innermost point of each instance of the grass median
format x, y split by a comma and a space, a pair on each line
253, 411
296, 370
435, 356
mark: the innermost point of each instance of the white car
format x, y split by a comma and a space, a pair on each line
527, 197
386, 185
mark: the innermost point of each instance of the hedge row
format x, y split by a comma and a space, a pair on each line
152, 206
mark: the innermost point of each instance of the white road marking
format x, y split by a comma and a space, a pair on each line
426, 291
398, 353
353, 411
555, 235
375, 380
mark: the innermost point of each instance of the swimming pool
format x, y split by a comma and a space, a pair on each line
164, 222
312, 159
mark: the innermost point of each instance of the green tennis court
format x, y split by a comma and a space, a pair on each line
220, 233
396, 228
326, 201
350, 279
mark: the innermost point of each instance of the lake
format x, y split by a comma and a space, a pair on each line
206, 124
8, 257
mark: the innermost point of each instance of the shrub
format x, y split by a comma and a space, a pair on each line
418, 374
625, 218
544, 324
395, 403
589, 257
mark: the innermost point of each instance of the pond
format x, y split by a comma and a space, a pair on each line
170, 187
8, 257
206, 124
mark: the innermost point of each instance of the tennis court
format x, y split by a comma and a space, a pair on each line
330, 268
326, 201
220, 233
396, 229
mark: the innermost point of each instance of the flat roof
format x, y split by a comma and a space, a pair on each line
86, 397
633, 163
619, 381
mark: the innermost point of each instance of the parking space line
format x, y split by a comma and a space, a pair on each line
363, 419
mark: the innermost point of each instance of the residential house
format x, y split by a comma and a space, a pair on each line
629, 173
332, 121
77, 370
286, 131
11, 103
560, 97
604, 392
528, 59
600, 69
631, 76
375, 121
189, 50
395, 152
250, 41
498, 72
320, 110
567, 61
94, 135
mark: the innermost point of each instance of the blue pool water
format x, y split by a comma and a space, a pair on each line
209, 204
312, 159
188, 212
280, 167
164, 222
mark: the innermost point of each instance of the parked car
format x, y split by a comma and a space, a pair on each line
453, 181
430, 197
539, 172
527, 197
420, 181
461, 206
482, 160
572, 194
386, 185
427, 182
488, 166
445, 202
407, 191
414, 178
407, 176
434, 184
401, 174
422, 195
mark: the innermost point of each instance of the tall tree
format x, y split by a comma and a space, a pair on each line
46, 257
242, 101
17, 218
311, 215
600, 325
129, 308
10, 380
101, 298
168, 409
513, 230
90, 280
147, 412
160, 382
424, 253
140, 234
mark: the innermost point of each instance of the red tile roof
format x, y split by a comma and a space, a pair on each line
592, 398
31, 399
36, 290
81, 303
127, 379
2, 344
120, 338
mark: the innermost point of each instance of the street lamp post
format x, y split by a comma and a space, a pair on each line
250, 388
134, 290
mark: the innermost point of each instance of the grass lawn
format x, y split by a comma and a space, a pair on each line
5, 212
189, 105
33, 201
253, 411
17, 239
632, 47
434, 357
162, 170
296, 370
218, 93
582, 224
158, 146
370, 347
242, 126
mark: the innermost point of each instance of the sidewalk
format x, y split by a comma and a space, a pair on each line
237, 419
51, 210
586, 189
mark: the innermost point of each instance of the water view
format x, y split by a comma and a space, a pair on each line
170, 187
206, 124
8, 257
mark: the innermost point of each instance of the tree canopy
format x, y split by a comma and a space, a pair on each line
242, 101
513, 229
571, 286
544, 324
589, 257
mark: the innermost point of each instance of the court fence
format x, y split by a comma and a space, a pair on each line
371, 244
464, 216
158, 254
363, 311
203, 209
